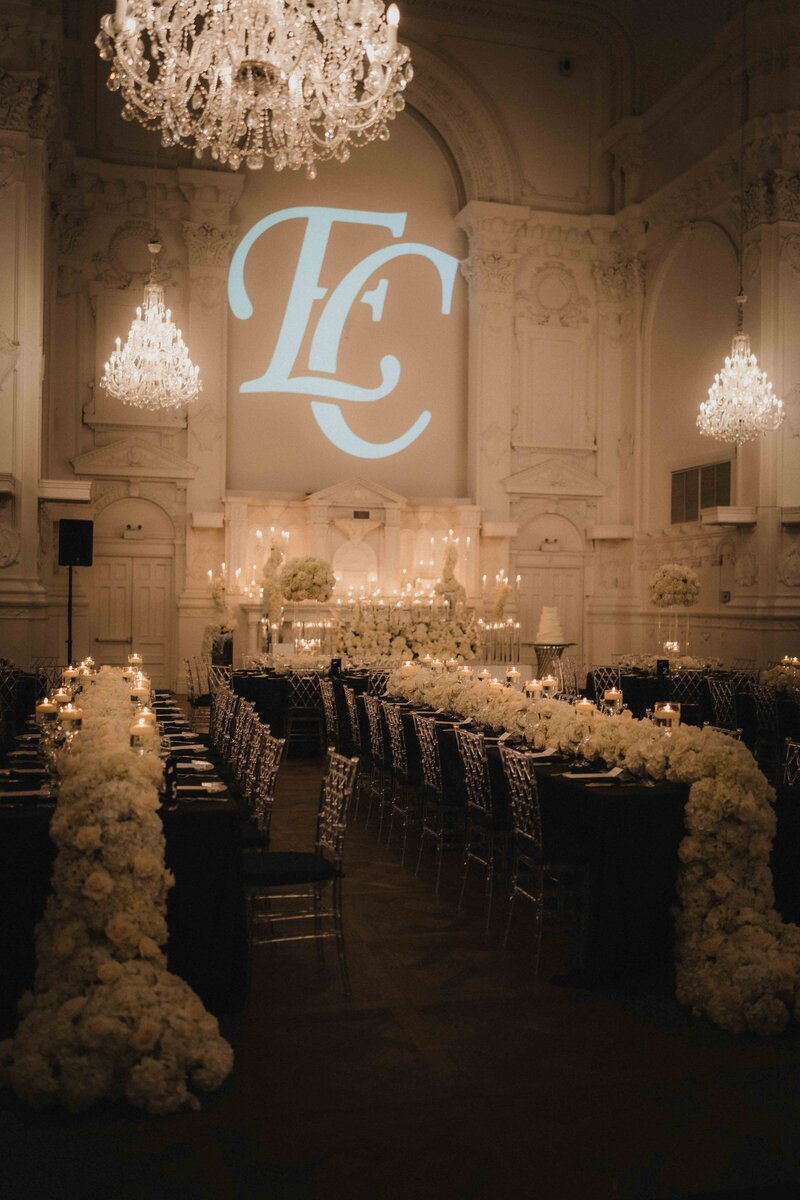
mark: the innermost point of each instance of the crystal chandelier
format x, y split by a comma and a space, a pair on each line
153, 369
296, 81
740, 405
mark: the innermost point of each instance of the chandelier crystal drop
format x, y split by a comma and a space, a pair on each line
153, 369
741, 405
297, 81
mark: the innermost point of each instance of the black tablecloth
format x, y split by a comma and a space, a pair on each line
205, 911
270, 694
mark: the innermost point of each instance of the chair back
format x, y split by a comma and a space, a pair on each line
606, 678
723, 701
687, 687
568, 676
766, 709
523, 793
791, 763
47, 670
472, 748
373, 709
217, 676
304, 690
377, 678
329, 709
429, 753
191, 687
338, 788
352, 712
397, 737
270, 754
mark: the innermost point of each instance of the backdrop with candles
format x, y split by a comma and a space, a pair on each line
488, 334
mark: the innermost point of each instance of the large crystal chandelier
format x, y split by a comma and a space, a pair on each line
292, 80
741, 405
153, 369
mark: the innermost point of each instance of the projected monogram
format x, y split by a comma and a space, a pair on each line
324, 351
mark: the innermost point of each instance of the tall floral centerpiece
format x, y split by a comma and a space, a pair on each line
307, 578
272, 592
673, 586
449, 586
218, 636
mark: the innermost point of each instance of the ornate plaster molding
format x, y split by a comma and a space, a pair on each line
209, 245
552, 298
134, 458
10, 543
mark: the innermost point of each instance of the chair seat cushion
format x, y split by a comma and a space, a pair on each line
266, 868
205, 699
250, 835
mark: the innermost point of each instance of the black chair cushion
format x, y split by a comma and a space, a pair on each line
250, 835
264, 868
196, 701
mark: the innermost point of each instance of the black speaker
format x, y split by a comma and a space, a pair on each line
75, 543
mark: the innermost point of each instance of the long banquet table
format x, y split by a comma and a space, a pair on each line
206, 917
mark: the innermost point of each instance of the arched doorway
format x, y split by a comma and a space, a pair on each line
131, 587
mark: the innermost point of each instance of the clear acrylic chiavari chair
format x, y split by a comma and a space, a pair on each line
277, 881
723, 701
791, 763
487, 836
443, 823
259, 791
332, 732
403, 797
378, 780
606, 678
527, 872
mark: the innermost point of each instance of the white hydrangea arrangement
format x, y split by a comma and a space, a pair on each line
673, 585
784, 680
226, 622
737, 962
106, 1018
376, 634
307, 578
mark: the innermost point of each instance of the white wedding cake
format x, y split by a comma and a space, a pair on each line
549, 632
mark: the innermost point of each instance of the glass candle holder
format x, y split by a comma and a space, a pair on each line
46, 712
585, 707
549, 685
533, 689
612, 698
667, 714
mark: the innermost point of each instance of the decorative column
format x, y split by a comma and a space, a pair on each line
492, 230
767, 470
390, 559
210, 240
23, 200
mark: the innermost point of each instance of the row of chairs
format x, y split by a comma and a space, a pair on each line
203, 678
292, 896
409, 790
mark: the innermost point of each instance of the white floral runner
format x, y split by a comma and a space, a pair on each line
106, 1018
737, 962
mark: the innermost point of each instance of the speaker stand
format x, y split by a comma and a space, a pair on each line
69, 617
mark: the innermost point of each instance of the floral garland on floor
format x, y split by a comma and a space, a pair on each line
737, 962
106, 1018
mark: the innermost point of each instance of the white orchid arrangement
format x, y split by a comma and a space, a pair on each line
227, 623
307, 578
449, 584
738, 962
271, 583
673, 585
106, 1018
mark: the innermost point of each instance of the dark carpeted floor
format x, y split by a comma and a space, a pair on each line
451, 1074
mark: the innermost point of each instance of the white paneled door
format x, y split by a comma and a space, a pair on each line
131, 608
558, 587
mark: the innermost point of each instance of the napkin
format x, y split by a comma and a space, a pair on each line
612, 774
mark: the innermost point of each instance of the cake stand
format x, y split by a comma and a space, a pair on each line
547, 656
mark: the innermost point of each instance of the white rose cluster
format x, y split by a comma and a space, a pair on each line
673, 585
376, 634
106, 1019
307, 578
737, 962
